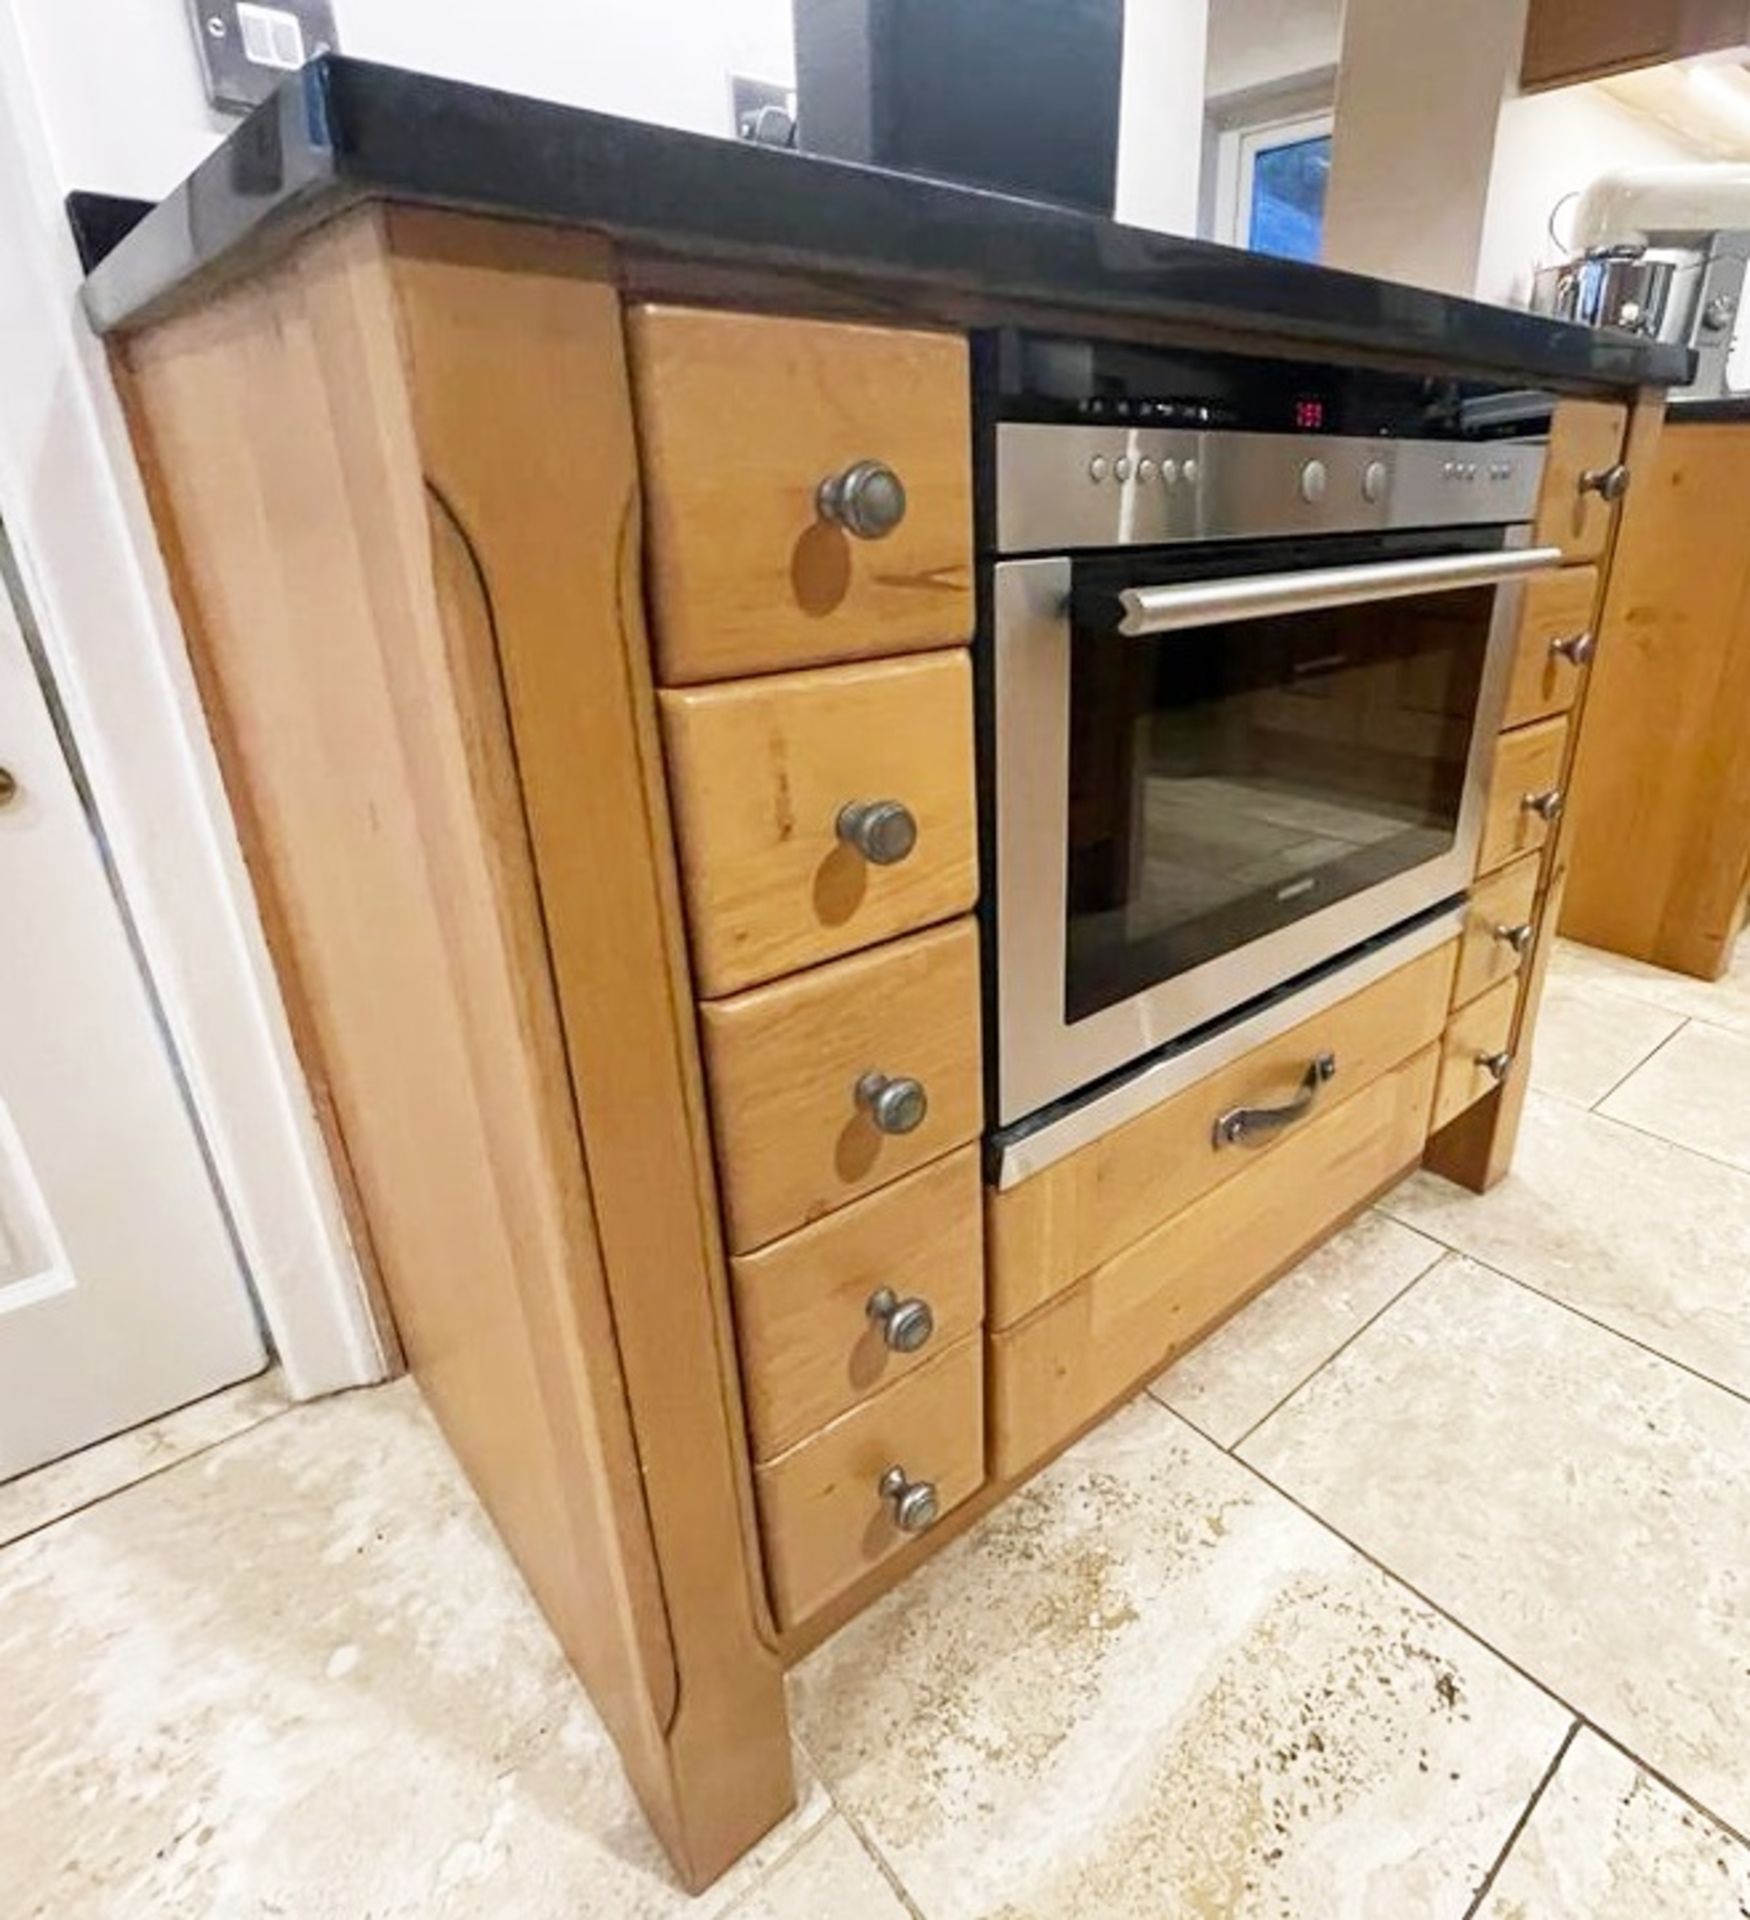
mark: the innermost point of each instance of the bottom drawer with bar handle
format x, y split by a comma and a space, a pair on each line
857, 1491
833, 1314
1058, 1223
1123, 1322
1500, 926
1476, 1056
1525, 792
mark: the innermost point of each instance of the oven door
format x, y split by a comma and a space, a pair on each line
1219, 768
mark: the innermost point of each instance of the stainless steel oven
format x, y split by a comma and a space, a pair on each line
1245, 669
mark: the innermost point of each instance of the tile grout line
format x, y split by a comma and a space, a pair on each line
1524, 1820
882, 1864
1616, 1333
142, 1479
1683, 1025
1472, 1634
1469, 1632
1442, 1252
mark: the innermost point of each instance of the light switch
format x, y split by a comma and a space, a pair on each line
247, 47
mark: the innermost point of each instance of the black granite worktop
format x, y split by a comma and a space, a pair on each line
343, 131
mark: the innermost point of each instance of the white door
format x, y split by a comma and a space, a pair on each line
120, 1295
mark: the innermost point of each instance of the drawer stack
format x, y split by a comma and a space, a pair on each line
809, 533
1505, 919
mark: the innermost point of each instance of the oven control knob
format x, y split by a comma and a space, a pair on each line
1373, 481
1097, 467
1170, 473
1315, 477
1188, 473
1121, 467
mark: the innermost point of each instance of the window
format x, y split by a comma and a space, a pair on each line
1270, 185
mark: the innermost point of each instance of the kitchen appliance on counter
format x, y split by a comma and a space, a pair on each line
1249, 624
1664, 252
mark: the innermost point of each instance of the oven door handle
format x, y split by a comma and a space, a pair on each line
1207, 603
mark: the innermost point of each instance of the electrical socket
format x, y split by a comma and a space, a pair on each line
247, 47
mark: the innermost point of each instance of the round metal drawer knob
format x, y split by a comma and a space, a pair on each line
1547, 806
906, 1325
1496, 1065
867, 499
914, 1502
1609, 483
8, 786
1519, 938
894, 1103
882, 831
1578, 648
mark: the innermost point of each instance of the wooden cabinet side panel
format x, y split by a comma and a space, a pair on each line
523, 411
1662, 780
367, 755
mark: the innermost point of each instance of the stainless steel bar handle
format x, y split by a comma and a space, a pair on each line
1239, 1123
1206, 603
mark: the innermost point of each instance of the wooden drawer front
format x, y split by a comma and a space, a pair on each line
1481, 1032
1558, 613
1585, 437
784, 1063
809, 1348
825, 1519
1124, 1321
740, 418
1528, 763
761, 771
1499, 925
1052, 1229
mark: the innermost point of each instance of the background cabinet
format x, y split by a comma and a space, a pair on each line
1570, 40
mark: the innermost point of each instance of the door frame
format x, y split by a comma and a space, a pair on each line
82, 537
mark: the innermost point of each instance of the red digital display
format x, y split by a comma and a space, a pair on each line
1309, 416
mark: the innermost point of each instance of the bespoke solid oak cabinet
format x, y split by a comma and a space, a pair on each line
613, 806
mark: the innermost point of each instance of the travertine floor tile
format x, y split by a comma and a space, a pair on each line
1695, 1092
1724, 1002
1573, 1500
1640, 1235
47, 1493
829, 1877
1226, 1385
1608, 1842
298, 1676
1148, 1686
1589, 1038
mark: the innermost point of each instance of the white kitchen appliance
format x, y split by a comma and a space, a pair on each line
1665, 251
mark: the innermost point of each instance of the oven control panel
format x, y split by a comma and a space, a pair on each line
1060, 488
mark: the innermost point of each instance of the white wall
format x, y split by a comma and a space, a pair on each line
1160, 113
119, 87
1260, 43
1550, 145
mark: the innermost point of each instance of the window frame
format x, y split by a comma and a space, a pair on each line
1236, 164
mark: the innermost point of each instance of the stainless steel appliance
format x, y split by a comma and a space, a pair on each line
1665, 252
1249, 626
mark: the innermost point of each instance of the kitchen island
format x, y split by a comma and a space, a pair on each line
581, 532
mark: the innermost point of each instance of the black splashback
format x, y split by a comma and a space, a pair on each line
1019, 95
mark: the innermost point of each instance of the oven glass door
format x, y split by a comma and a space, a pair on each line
1237, 775
1219, 769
